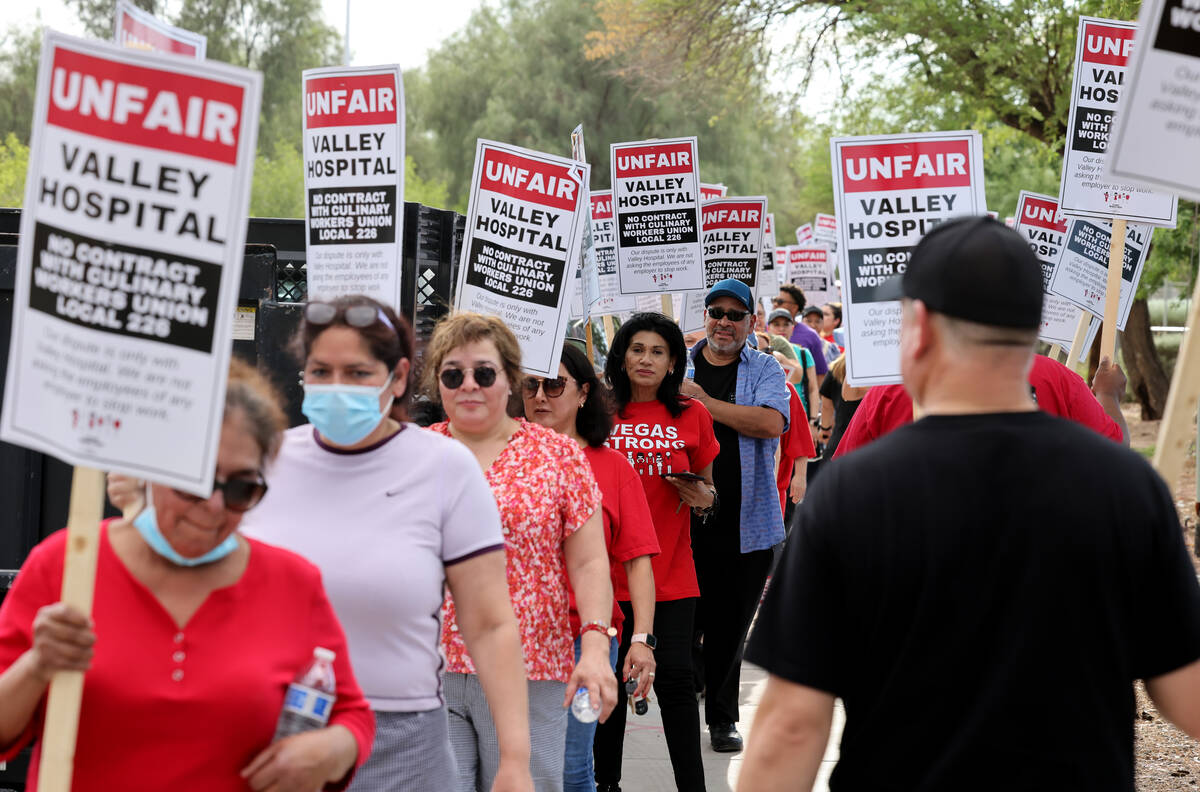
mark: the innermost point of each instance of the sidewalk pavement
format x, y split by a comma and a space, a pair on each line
646, 767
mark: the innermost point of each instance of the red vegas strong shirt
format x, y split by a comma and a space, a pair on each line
656, 443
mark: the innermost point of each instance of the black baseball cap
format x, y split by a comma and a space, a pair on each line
977, 269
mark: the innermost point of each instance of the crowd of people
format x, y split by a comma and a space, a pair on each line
588, 540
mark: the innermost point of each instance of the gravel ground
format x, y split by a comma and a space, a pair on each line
1167, 759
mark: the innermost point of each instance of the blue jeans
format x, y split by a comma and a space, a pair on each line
577, 764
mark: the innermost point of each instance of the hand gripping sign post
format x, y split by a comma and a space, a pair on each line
808, 268
523, 233
136, 29
354, 181
127, 277
1102, 54
889, 191
656, 192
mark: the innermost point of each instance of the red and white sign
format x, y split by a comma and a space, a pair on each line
809, 268
825, 228
766, 270
1155, 130
130, 261
656, 196
1102, 55
1039, 223
354, 181
524, 231
136, 29
604, 234
804, 234
711, 192
732, 233
889, 191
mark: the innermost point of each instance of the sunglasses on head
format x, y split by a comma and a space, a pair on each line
241, 494
733, 314
553, 387
360, 316
452, 378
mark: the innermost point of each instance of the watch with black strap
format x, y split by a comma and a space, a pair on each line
645, 638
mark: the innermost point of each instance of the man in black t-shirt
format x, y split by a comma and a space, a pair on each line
983, 563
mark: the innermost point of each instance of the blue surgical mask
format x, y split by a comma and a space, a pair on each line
146, 524
344, 414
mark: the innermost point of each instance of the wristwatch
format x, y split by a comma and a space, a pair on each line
598, 626
646, 638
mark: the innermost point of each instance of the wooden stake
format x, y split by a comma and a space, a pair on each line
1081, 332
668, 307
588, 342
1175, 431
79, 582
1112, 295
1056, 353
609, 329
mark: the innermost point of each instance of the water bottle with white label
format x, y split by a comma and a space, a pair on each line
310, 698
690, 371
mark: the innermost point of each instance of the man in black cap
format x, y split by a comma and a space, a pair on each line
973, 567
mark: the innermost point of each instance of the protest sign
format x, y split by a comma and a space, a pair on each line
524, 229
766, 270
710, 192
781, 264
354, 181
656, 191
1082, 273
732, 233
654, 303
1102, 54
137, 29
805, 235
889, 191
588, 278
808, 268
604, 234
1041, 225
130, 260
824, 228
1156, 122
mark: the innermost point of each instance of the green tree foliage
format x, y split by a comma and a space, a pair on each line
19, 52
14, 161
519, 74
97, 16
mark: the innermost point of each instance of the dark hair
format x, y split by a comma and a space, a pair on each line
837, 311
594, 420
385, 344
793, 291
614, 369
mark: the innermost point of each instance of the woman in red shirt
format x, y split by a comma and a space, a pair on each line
576, 404
200, 632
662, 434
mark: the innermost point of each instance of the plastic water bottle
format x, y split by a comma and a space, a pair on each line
690, 371
310, 698
581, 707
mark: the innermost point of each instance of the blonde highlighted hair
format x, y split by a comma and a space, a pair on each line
467, 328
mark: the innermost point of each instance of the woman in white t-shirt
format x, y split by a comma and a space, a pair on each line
390, 513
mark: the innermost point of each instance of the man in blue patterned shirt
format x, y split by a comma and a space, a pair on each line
746, 393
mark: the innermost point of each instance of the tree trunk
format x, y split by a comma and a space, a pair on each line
1147, 380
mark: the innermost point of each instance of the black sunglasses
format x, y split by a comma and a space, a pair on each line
241, 494
359, 316
452, 378
733, 314
553, 387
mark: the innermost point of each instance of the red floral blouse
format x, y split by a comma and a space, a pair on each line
545, 490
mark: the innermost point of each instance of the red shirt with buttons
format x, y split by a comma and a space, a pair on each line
166, 707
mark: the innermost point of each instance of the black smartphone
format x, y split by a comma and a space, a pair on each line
685, 475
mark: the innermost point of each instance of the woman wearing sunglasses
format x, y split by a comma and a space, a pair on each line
195, 634
392, 513
576, 404
550, 509
664, 435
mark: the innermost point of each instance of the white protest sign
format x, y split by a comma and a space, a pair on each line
137, 29
587, 292
808, 268
656, 188
652, 303
691, 315
732, 233
1156, 120
130, 260
781, 264
766, 270
824, 228
1082, 273
604, 234
524, 228
354, 181
890, 190
1041, 225
804, 234
710, 192
1101, 59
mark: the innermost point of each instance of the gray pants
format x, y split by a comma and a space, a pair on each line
411, 753
473, 733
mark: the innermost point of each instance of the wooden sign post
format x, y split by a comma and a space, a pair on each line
1175, 432
1056, 353
589, 344
668, 306
1112, 295
1081, 334
79, 581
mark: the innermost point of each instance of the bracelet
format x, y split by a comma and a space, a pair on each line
598, 626
709, 510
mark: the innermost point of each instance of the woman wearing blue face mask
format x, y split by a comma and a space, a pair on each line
194, 636
391, 513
